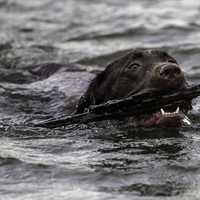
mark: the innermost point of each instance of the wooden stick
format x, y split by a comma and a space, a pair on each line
143, 103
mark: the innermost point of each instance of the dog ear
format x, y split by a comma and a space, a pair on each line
100, 88
91, 96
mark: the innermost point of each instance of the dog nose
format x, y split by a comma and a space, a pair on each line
168, 71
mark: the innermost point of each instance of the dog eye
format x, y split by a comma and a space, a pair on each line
134, 66
172, 61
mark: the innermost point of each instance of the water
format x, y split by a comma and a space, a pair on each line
49, 51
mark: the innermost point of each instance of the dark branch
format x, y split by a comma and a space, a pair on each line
143, 103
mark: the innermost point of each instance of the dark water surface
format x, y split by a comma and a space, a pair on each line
49, 51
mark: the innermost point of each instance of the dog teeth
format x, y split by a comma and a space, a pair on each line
177, 110
162, 111
169, 113
186, 120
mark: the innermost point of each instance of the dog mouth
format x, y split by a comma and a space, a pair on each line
169, 118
